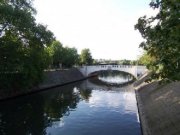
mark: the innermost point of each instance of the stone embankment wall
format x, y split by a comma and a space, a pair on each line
159, 107
60, 77
51, 79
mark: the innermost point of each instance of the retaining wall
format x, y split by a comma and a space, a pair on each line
51, 79
159, 108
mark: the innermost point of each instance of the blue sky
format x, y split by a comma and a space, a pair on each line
106, 27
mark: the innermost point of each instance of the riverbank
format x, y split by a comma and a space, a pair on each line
159, 107
60, 77
51, 79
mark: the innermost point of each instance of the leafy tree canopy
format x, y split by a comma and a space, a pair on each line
64, 56
162, 39
22, 45
71, 57
85, 57
56, 52
146, 60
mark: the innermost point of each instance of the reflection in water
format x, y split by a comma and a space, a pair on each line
23, 117
78, 109
104, 99
114, 77
33, 114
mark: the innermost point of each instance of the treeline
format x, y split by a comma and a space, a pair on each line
27, 48
161, 35
66, 57
120, 62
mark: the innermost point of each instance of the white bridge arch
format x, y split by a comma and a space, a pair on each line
133, 70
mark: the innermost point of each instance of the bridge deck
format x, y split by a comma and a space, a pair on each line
133, 70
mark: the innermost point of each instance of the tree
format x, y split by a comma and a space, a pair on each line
22, 45
162, 38
146, 60
65, 56
56, 52
125, 62
71, 57
85, 57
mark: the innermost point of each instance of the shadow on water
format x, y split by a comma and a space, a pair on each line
23, 117
33, 114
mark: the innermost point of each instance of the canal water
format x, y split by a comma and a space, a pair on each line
84, 108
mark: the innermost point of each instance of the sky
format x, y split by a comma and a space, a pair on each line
106, 27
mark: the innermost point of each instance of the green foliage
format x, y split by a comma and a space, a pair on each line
71, 57
56, 51
85, 57
162, 38
125, 62
65, 56
146, 60
23, 55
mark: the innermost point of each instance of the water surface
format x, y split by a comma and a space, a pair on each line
114, 77
78, 109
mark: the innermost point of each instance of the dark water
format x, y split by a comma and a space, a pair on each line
78, 109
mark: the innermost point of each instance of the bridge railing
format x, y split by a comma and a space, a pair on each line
134, 70
115, 66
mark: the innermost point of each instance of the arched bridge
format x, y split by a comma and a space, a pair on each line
133, 70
